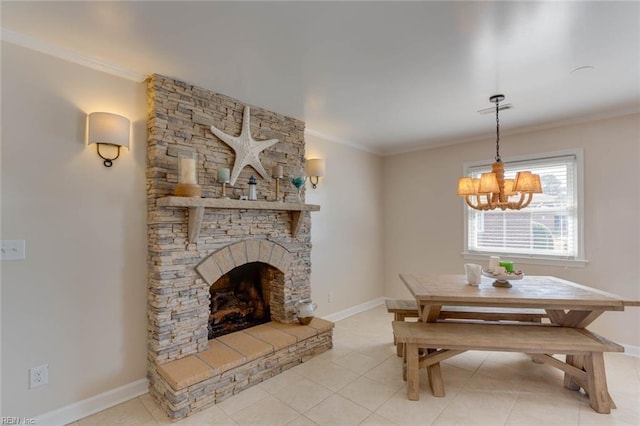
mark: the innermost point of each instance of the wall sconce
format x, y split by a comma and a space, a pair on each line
108, 129
315, 169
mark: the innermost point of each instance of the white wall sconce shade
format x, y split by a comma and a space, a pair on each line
108, 129
316, 169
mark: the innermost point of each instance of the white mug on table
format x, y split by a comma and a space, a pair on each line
474, 273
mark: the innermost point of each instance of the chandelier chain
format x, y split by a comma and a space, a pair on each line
498, 132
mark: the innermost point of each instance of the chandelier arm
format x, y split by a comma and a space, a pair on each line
517, 205
470, 204
529, 199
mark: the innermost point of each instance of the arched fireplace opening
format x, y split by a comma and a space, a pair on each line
241, 298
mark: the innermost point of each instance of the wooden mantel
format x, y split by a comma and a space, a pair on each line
196, 206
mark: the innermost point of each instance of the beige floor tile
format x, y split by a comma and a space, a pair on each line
329, 375
477, 408
376, 419
243, 400
389, 372
334, 353
369, 393
268, 411
280, 381
209, 416
380, 351
302, 421
156, 411
404, 412
337, 410
303, 395
357, 362
131, 413
543, 409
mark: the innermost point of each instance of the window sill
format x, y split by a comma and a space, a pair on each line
529, 260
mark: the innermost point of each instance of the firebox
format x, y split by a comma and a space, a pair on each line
240, 298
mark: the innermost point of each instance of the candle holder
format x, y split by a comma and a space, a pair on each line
223, 178
187, 185
277, 173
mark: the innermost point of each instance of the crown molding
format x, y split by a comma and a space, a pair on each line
68, 55
342, 142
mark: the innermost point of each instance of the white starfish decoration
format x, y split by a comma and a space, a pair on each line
247, 149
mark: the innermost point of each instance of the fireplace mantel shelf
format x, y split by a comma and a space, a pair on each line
197, 205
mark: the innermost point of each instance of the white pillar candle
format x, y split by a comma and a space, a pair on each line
188, 171
494, 263
277, 172
223, 174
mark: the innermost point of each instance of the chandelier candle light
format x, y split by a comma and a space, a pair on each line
494, 187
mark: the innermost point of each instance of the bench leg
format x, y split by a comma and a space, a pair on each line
399, 346
599, 398
435, 378
578, 362
413, 371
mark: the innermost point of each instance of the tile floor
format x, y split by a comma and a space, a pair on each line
359, 382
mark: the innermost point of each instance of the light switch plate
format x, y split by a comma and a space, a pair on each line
12, 250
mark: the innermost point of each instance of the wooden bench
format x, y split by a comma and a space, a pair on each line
402, 309
446, 339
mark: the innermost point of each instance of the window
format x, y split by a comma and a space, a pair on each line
549, 228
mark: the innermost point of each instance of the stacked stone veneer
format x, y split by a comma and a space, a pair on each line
179, 120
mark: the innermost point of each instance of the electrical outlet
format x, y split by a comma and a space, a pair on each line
38, 376
330, 297
12, 250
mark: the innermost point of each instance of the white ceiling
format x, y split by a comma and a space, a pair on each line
385, 76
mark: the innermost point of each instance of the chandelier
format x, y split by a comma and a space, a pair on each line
492, 190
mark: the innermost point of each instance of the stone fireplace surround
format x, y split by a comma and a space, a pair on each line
187, 372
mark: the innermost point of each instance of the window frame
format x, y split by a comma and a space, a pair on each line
579, 260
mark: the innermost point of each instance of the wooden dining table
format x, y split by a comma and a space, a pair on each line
566, 303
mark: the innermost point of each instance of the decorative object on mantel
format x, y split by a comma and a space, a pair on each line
112, 130
315, 169
494, 186
253, 195
277, 173
187, 185
298, 182
246, 148
223, 178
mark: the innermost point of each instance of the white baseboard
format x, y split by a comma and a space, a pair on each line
337, 316
95, 404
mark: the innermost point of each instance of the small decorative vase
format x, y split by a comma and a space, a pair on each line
305, 310
298, 182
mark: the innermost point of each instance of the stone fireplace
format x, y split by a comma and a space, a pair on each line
224, 275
